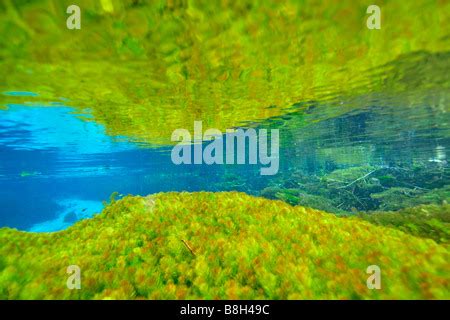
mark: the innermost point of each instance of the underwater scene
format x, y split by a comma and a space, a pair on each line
198, 149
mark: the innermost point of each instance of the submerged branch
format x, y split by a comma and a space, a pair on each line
360, 178
188, 247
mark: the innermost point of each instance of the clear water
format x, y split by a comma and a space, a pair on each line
57, 167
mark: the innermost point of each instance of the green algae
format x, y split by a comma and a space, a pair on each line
145, 69
245, 248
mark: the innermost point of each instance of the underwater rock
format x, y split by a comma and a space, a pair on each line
270, 192
425, 221
70, 217
397, 198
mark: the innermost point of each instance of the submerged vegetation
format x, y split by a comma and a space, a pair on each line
426, 221
362, 188
220, 245
413, 199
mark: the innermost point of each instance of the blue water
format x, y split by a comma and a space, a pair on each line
53, 165
20, 94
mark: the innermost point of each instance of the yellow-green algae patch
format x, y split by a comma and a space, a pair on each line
243, 247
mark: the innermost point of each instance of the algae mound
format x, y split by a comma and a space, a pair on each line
243, 248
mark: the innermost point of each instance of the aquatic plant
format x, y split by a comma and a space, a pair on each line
243, 247
426, 221
297, 197
396, 198
360, 188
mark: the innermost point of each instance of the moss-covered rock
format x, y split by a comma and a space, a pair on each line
399, 198
426, 221
297, 197
242, 247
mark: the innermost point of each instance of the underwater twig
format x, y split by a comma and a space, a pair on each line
360, 178
416, 187
398, 168
356, 198
189, 247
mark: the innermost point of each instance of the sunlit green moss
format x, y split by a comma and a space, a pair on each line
244, 247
